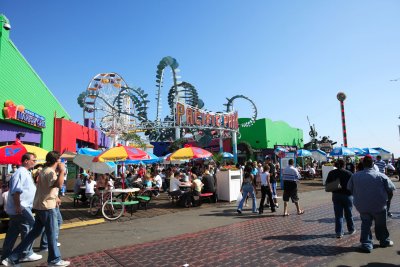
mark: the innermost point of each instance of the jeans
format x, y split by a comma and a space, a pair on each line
248, 189
266, 191
381, 231
19, 224
273, 187
43, 240
46, 219
343, 203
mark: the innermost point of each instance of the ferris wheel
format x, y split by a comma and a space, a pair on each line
104, 105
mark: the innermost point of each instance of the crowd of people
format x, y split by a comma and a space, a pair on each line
41, 195
39, 191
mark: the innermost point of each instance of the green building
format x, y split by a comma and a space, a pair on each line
28, 106
265, 134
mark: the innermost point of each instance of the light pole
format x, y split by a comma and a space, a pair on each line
341, 97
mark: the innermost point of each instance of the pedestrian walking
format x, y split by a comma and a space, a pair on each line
370, 190
290, 177
45, 203
266, 190
248, 187
342, 199
19, 207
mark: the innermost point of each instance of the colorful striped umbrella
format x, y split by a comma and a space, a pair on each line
190, 153
12, 154
152, 159
121, 153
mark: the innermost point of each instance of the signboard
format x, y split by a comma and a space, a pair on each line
19, 113
287, 148
186, 115
284, 162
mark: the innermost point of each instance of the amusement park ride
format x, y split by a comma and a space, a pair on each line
111, 105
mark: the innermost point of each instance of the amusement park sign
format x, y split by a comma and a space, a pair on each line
191, 116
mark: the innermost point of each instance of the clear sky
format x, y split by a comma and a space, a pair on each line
290, 57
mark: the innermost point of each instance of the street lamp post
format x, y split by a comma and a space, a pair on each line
341, 97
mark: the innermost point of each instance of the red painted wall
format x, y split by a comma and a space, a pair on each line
66, 133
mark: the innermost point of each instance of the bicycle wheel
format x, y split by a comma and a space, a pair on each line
112, 209
95, 205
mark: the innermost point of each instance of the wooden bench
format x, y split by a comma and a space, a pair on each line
143, 200
204, 196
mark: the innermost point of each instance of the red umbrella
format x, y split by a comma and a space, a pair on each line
12, 154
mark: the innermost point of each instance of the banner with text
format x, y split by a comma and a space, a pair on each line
186, 115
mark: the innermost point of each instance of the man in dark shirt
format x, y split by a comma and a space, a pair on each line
209, 184
350, 165
342, 199
272, 179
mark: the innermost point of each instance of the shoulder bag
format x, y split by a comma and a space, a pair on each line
333, 186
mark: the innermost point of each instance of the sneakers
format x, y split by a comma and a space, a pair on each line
58, 244
8, 262
339, 235
352, 232
60, 263
389, 214
239, 211
390, 243
32, 257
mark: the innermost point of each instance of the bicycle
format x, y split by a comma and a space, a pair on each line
97, 201
114, 207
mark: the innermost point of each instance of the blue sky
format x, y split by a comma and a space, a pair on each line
290, 57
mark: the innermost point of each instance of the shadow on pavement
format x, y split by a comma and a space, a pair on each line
297, 237
379, 264
318, 250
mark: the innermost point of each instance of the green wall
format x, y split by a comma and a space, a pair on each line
21, 84
265, 133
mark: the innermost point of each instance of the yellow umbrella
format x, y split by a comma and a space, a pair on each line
190, 153
39, 152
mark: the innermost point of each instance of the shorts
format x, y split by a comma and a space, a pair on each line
290, 191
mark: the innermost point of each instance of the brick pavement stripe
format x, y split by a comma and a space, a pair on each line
306, 240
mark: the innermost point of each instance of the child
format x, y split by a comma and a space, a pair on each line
90, 184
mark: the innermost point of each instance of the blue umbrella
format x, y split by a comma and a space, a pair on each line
227, 155
371, 151
358, 151
382, 150
304, 153
386, 155
89, 151
342, 152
